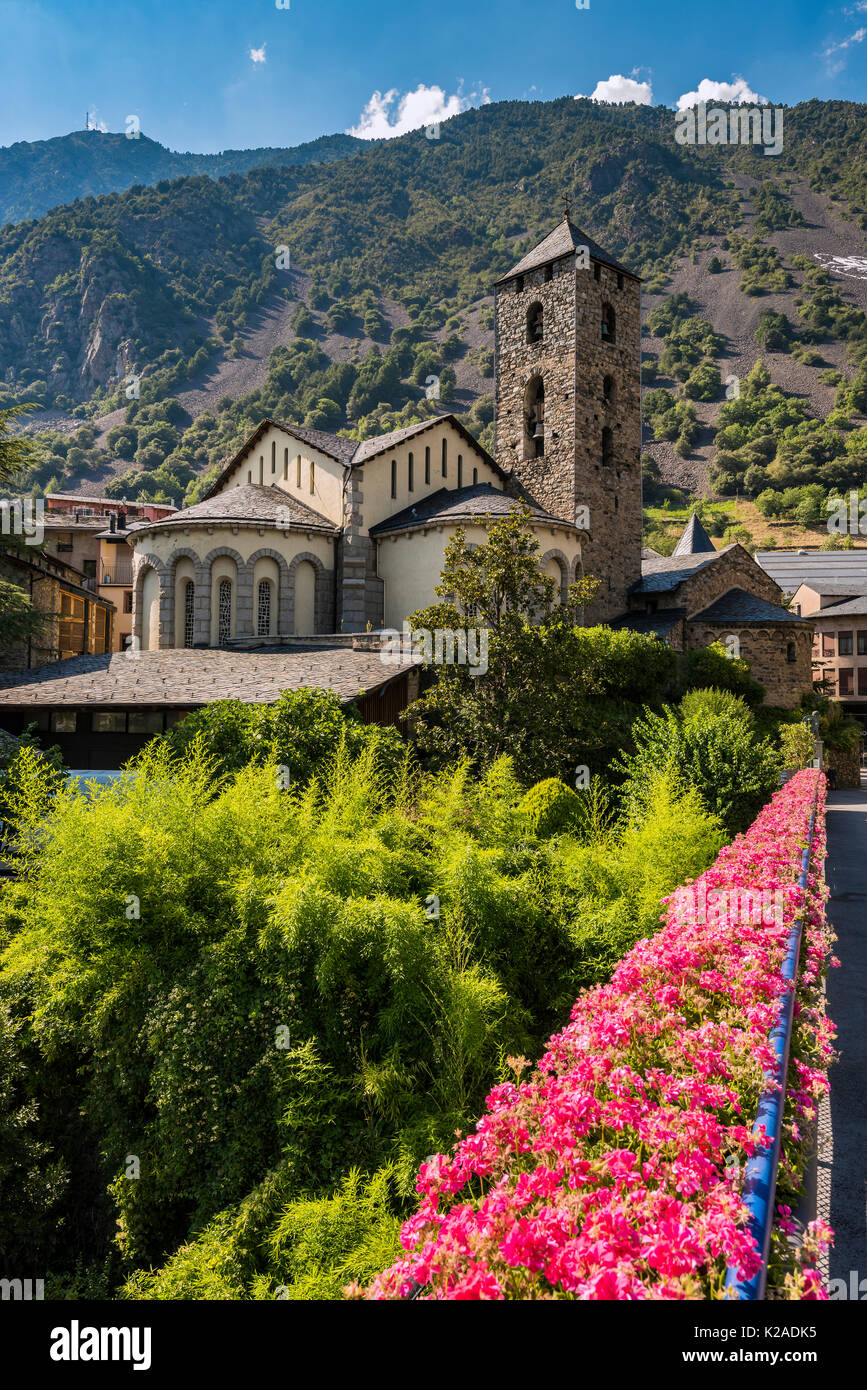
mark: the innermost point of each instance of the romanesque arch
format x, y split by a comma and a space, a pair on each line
563, 566
141, 622
322, 591
247, 598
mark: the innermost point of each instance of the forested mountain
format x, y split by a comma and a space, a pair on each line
331, 293
38, 175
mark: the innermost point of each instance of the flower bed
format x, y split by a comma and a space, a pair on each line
614, 1172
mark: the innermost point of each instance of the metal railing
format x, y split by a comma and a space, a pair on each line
118, 574
760, 1178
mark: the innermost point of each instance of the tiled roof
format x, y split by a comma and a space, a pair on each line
453, 505
250, 503
562, 242
819, 568
184, 678
659, 623
854, 607
738, 606
334, 445
695, 540
660, 576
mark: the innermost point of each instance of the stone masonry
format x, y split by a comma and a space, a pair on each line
580, 467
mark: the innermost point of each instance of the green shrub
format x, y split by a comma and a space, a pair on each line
549, 807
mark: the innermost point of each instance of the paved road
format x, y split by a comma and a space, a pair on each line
843, 1161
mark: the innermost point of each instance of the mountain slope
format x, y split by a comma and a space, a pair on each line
43, 174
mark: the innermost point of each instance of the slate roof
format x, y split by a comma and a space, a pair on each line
562, 242
739, 606
185, 678
660, 623
660, 576
854, 607
695, 539
247, 503
454, 505
819, 568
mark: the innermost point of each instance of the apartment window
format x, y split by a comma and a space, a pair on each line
189, 613
862, 643
427, 465
828, 644
846, 674
145, 722
63, 721
394, 477
862, 680
127, 601
409, 472
445, 458
108, 722
844, 640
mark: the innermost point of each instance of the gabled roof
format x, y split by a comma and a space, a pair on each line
350, 452
451, 506
855, 607
695, 539
819, 568
563, 241
660, 576
247, 503
739, 606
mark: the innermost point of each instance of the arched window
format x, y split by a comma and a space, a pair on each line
534, 419
609, 390
225, 611
273, 456
607, 447
609, 324
312, 477
475, 476
263, 612
298, 471
285, 465
189, 613
261, 470
409, 473
460, 470
535, 324
394, 477
427, 465
445, 457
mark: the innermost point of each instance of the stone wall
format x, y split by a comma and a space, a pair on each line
766, 648
845, 764
734, 568
573, 361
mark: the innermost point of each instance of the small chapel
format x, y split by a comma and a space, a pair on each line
306, 533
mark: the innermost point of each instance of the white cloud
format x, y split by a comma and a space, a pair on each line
858, 37
385, 116
257, 55
618, 90
735, 93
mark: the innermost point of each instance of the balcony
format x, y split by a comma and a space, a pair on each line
120, 574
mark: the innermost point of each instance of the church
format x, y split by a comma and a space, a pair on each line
306, 533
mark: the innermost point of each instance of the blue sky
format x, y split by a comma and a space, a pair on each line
220, 74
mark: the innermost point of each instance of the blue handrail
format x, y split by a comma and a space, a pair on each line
760, 1179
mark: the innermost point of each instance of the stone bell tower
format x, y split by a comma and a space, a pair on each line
567, 405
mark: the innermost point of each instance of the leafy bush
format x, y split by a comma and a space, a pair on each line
549, 807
